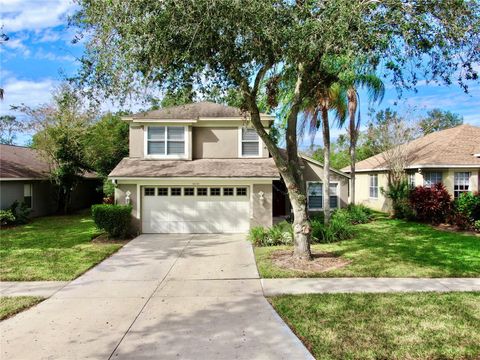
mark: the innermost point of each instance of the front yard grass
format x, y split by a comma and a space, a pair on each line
11, 305
391, 248
385, 326
51, 248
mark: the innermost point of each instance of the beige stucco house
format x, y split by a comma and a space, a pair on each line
201, 168
449, 156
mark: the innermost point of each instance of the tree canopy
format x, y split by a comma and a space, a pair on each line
438, 119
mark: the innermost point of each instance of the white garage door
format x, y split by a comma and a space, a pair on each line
183, 209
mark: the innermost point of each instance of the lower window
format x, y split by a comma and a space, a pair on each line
315, 195
27, 195
202, 191
333, 196
461, 183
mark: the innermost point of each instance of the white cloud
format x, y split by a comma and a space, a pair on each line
19, 15
47, 55
14, 46
29, 92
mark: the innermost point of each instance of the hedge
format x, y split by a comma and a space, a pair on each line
114, 219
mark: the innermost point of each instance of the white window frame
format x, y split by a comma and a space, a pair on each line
370, 176
241, 141
469, 185
337, 193
166, 156
30, 187
308, 197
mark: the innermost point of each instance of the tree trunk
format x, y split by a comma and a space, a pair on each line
352, 110
289, 165
326, 163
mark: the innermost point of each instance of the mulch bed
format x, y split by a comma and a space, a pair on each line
321, 262
104, 239
454, 229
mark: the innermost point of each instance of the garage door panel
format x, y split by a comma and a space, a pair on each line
195, 214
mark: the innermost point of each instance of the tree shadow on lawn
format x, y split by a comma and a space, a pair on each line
400, 243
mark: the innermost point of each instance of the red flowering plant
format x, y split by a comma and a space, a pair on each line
431, 204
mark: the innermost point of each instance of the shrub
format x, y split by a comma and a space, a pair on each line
339, 228
431, 204
114, 219
469, 205
279, 234
359, 214
7, 217
476, 225
20, 212
399, 194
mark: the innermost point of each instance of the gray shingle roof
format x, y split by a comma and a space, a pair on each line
221, 168
21, 162
454, 146
194, 111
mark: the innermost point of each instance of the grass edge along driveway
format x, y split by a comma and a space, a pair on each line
391, 248
385, 326
51, 248
11, 305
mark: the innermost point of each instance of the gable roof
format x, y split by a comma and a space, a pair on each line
451, 147
18, 162
194, 111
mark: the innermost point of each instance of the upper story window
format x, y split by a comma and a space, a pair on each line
315, 195
249, 143
461, 183
431, 178
168, 141
373, 186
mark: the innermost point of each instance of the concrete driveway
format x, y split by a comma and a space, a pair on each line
160, 297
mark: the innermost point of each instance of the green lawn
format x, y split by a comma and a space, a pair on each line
385, 326
51, 248
392, 248
10, 306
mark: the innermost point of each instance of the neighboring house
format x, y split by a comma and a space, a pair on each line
450, 156
24, 177
200, 168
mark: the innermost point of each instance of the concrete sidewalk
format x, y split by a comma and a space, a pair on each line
273, 287
31, 288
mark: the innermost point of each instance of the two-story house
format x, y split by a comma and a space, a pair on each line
200, 168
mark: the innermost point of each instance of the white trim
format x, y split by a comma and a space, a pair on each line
254, 179
410, 167
336, 193
370, 186
477, 155
323, 195
139, 201
240, 142
186, 138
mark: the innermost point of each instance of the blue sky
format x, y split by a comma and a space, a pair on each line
40, 51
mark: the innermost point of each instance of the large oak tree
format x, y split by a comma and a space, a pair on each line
240, 45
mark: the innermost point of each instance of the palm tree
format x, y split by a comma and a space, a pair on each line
376, 91
328, 99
